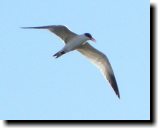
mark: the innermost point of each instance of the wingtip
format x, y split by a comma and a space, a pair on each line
114, 85
118, 96
25, 27
38, 27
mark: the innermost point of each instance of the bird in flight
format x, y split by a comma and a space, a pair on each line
77, 42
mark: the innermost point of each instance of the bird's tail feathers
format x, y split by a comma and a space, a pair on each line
58, 54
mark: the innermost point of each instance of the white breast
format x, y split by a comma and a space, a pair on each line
75, 42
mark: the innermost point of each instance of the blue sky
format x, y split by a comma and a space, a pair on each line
34, 85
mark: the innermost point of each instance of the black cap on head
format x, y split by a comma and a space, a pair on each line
88, 35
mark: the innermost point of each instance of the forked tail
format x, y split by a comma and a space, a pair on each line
58, 54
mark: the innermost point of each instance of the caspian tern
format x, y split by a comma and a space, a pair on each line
77, 42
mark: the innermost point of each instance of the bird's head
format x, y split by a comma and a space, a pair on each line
89, 36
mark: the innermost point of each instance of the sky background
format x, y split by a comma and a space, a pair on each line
34, 85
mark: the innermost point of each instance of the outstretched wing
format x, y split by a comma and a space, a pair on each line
102, 62
61, 31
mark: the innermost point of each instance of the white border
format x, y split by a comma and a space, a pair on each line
138, 127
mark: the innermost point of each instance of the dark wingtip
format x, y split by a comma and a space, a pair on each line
117, 92
27, 27
114, 85
33, 27
39, 27
118, 95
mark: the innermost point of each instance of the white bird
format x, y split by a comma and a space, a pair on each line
77, 42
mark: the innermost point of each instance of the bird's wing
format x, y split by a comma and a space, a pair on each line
102, 62
61, 31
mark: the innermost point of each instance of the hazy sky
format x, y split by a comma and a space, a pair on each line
34, 85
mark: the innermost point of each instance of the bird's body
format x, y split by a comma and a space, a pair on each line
77, 42
71, 45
